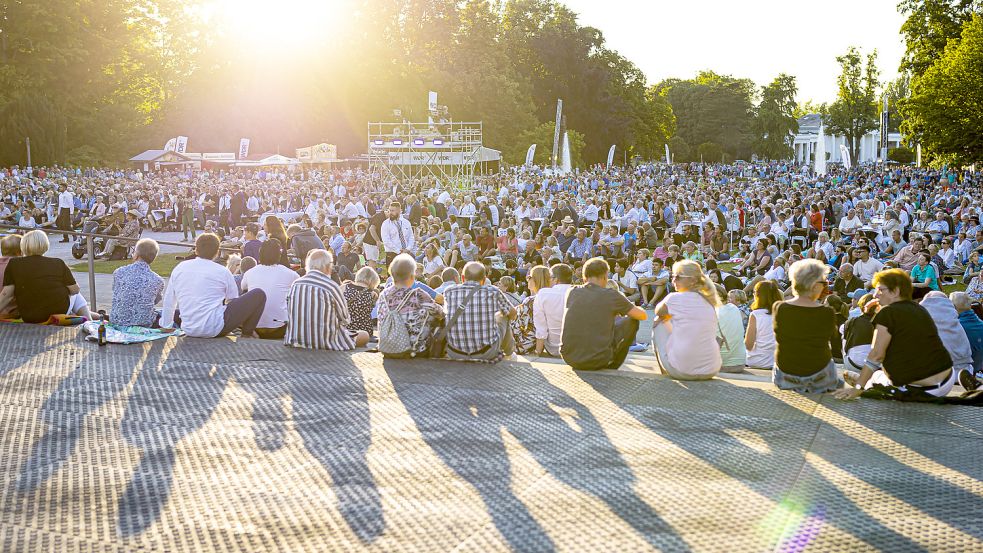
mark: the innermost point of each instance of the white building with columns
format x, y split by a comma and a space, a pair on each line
804, 143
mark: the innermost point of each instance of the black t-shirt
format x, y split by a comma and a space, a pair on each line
588, 325
731, 282
40, 286
349, 260
858, 331
916, 351
803, 336
376, 222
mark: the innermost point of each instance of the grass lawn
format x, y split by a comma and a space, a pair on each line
163, 265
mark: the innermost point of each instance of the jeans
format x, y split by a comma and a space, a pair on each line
244, 312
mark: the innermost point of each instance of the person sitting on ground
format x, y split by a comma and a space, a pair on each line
482, 330
524, 327
685, 334
549, 304
846, 282
250, 246
907, 257
626, 281
203, 298
346, 262
448, 277
419, 310
907, 351
858, 335
759, 338
923, 276
317, 314
9, 249
275, 281
730, 332
804, 331
973, 327
137, 288
953, 336
245, 264
302, 241
42, 286
361, 296
599, 324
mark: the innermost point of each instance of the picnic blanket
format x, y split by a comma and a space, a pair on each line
116, 334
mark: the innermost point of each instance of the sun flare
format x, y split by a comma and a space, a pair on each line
275, 25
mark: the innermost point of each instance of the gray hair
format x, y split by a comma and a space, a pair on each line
961, 301
804, 273
845, 265
474, 272
403, 267
319, 260
147, 249
367, 277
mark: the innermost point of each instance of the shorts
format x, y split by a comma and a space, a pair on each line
371, 252
819, 382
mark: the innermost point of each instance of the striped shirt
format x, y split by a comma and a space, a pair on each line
317, 314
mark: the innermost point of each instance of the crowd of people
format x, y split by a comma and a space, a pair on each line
742, 266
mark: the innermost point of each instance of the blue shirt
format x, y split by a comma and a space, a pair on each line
974, 331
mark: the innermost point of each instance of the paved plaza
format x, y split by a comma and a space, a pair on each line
194, 445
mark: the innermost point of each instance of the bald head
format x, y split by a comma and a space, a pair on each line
474, 272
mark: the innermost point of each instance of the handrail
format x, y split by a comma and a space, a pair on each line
90, 249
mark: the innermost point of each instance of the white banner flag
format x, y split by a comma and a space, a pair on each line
845, 154
611, 155
243, 148
530, 154
668, 159
432, 101
171, 145
182, 144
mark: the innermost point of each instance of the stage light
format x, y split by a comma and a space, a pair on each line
438, 142
379, 142
418, 142
397, 142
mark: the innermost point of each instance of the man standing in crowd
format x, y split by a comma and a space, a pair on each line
478, 318
205, 297
137, 288
66, 208
599, 324
397, 234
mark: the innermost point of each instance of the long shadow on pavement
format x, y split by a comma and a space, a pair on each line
465, 426
806, 490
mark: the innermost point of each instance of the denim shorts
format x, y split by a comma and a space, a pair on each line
820, 382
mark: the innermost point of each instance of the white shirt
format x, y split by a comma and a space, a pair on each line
590, 214
548, 306
865, 269
630, 281
275, 281
642, 268
433, 266
66, 200
847, 224
468, 210
198, 288
390, 235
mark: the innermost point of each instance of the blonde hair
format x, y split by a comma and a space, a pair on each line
368, 277
703, 285
233, 263
34, 242
540, 275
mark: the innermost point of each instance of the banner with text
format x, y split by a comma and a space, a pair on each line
243, 148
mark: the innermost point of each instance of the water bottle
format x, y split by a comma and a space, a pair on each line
102, 327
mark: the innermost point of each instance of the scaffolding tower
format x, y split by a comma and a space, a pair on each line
450, 151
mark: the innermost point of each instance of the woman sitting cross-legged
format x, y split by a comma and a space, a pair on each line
804, 331
907, 351
685, 334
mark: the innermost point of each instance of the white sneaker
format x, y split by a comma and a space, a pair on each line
512, 357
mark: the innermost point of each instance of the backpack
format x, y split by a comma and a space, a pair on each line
394, 334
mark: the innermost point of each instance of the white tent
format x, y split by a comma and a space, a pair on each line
275, 160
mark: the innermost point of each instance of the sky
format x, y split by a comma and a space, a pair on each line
756, 39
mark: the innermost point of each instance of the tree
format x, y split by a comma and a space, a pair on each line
712, 108
944, 111
808, 108
929, 26
775, 124
710, 152
855, 111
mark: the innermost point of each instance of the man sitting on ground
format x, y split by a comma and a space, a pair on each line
205, 297
317, 313
303, 240
137, 288
599, 324
482, 330
547, 308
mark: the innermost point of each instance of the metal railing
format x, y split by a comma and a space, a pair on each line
90, 248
